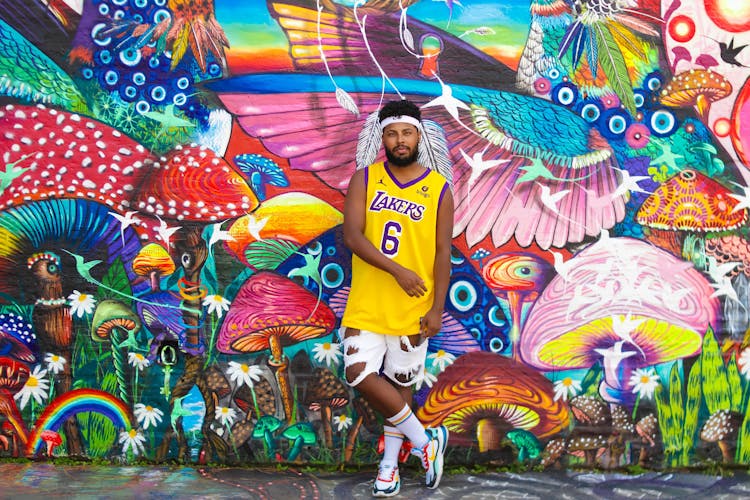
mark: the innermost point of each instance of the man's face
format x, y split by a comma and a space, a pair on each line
400, 141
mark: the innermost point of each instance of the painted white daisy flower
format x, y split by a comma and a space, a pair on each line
36, 386
342, 422
132, 440
644, 382
427, 379
81, 303
216, 304
147, 415
225, 415
55, 363
328, 352
243, 374
566, 387
744, 362
441, 359
138, 360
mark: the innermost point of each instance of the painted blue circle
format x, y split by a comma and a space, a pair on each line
179, 99
139, 78
462, 295
662, 122
158, 93
142, 107
496, 345
130, 56
332, 275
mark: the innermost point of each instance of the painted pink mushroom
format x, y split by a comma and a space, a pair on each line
623, 302
271, 311
518, 278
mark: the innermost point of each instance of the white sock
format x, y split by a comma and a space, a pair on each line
411, 427
393, 439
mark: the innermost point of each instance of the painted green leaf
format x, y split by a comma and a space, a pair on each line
743, 436
116, 278
714, 376
613, 63
692, 410
591, 380
668, 426
735, 385
677, 404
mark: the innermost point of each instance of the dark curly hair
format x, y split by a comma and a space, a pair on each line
400, 108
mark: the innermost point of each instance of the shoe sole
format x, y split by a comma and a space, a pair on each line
384, 494
442, 437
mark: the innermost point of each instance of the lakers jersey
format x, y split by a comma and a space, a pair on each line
401, 221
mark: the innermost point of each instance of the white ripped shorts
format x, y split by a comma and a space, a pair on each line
401, 362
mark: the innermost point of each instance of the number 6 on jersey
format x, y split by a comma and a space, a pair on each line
390, 241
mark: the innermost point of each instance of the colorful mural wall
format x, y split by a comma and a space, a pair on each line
172, 267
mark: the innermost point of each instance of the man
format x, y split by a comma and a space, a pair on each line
398, 222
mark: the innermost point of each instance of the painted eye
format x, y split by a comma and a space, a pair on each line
476, 333
315, 248
332, 275
553, 74
591, 112
654, 81
138, 18
129, 93
119, 2
662, 123
139, 78
457, 257
160, 3
161, 15
104, 9
141, 3
153, 63
497, 316
130, 57
214, 69
183, 83
496, 345
300, 279
331, 250
142, 107
87, 73
565, 94
118, 15
105, 57
98, 39
463, 295
640, 97
179, 99
52, 268
614, 123
158, 93
111, 77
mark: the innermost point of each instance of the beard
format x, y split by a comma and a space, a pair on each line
401, 161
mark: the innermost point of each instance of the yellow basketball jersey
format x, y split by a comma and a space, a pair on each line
401, 221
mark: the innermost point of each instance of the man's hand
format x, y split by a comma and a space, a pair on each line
431, 323
410, 282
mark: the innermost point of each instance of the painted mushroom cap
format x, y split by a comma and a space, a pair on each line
327, 390
194, 184
563, 331
303, 431
111, 314
691, 201
153, 258
720, 426
695, 87
261, 171
268, 305
485, 385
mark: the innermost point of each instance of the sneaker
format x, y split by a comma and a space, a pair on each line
432, 455
388, 482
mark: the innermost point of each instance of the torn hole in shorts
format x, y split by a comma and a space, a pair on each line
353, 356
406, 375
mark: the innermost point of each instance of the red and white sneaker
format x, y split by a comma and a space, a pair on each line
388, 482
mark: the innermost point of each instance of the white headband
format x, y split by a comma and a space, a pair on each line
399, 119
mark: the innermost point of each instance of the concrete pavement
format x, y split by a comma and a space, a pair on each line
44, 480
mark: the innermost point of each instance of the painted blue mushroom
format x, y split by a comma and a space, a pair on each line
260, 171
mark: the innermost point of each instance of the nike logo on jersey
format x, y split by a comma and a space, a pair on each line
382, 201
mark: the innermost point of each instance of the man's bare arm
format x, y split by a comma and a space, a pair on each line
432, 321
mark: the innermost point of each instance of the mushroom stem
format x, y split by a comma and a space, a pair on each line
279, 366
489, 432
726, 451
296, 448
325, 417
351, 438
515, 304
702, 104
